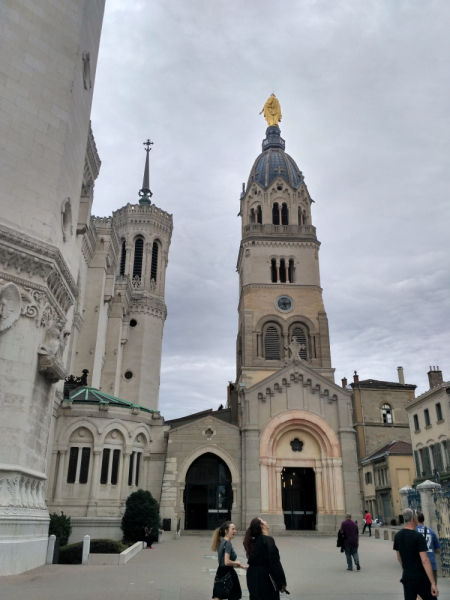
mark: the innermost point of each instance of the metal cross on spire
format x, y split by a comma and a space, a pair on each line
145, 193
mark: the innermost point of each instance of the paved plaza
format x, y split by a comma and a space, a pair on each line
183, 570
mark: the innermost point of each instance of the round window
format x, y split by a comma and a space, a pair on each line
133, 323
128, 375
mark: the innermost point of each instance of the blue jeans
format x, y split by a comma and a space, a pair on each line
349, 552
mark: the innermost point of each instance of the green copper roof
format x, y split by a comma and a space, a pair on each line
90, 395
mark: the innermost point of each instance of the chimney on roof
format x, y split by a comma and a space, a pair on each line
401, 376
356, 377
344, 382
434, 377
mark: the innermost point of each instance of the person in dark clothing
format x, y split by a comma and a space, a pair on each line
411, 547
148, 538
351, 542
265, 575
226, 555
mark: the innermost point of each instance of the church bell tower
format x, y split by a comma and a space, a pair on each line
280, 297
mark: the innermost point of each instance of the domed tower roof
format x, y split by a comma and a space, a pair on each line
273, 162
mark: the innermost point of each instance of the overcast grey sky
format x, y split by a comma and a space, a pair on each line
364, 89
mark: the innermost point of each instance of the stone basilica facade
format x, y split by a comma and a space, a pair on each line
82, 312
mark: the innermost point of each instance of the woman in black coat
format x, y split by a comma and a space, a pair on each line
265, 572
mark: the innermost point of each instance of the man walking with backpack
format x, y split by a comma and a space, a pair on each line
411, 547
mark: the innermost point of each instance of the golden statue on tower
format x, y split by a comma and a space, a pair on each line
272, 111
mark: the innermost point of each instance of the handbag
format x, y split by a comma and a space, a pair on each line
223, 585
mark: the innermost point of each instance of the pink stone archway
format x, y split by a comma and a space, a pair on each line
327, 466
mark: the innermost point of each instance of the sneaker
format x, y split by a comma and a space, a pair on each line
358, 566
348, 569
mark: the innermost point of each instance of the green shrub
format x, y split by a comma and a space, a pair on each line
61, 527
73, 553
107, 547
141, 510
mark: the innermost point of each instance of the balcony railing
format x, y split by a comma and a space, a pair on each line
268, 229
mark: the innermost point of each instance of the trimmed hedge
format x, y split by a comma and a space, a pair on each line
73, 553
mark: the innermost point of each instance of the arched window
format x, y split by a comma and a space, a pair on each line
291, 271
272, 344
284, 214
259, 215
299, 334
300, 216
386, 413
138, 256
79, 456
273, 270
276, 214
123, 258
252, 216
154, 270
283, 270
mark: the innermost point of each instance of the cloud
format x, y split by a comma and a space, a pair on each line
364, 91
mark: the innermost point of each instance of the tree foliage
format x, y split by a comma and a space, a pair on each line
61, 527
141, 510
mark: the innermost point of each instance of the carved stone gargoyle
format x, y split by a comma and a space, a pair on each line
51, 353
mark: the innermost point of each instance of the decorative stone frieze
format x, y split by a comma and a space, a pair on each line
22, 253
149, 306
17, 300
21, 492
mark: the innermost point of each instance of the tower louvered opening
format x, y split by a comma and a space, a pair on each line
154, 270
272, 344
259, 215
284, 214
283, 270
273, 270
138, 256
123, 258
300, 336
276, 214
291, 271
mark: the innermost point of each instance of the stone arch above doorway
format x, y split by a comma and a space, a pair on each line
213, 450
321, 460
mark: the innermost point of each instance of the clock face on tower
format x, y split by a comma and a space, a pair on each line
284, 303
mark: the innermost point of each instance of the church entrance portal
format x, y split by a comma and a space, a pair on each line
208, 494
299, 498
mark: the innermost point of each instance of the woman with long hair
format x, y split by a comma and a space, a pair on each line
226, 582
265, 575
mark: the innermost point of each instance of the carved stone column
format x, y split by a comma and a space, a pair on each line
279, 507
61, 472
126, 467
319, 489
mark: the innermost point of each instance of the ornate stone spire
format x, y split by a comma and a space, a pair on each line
145, 193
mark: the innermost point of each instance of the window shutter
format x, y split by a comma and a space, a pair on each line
73, 463
105, 466
130, 471
115, 467
272, 344
138, 255
84, 468
154, 272
123, 258
138, 464
417, 460
437, 458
